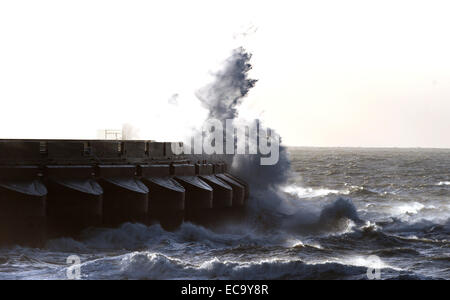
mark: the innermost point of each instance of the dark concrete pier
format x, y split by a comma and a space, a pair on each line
51, 188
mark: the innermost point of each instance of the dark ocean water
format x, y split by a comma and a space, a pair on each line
341, 212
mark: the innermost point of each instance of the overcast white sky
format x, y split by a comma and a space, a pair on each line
331, 73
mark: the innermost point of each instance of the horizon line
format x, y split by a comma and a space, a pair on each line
372, 147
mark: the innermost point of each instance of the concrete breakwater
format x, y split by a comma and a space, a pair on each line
51, 188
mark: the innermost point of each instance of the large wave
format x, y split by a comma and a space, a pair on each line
145, 265
269, 206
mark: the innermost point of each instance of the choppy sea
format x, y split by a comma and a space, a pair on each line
341, 212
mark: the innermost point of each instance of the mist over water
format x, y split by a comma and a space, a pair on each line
316, 214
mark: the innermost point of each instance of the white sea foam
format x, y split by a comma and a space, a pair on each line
407, 208
308, 192
145, 265
361, 261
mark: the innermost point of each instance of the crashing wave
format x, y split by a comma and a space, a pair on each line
144, 265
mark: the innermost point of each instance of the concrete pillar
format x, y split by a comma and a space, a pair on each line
166, 196
74, 200
240, 195
222, 193
199, 195
125, 198
22, 206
